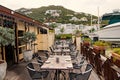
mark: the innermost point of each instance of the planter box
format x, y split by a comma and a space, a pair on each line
86, 43
116, 59
99, 49
3, 67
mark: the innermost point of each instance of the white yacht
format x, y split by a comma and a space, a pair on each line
110, 33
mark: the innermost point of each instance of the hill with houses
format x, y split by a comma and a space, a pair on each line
58, 14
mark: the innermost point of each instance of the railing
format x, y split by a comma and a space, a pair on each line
103, 66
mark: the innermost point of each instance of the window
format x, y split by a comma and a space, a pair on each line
43, 31
8, 24
20, 33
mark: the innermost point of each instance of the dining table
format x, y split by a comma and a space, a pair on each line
58, 63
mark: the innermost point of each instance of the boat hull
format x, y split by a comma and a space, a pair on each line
111, 33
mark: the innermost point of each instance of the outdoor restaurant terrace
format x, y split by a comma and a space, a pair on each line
53, 59
65, 62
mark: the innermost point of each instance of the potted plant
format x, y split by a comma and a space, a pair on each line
7, 37
86, 41
116, 56
100, 46
28, 38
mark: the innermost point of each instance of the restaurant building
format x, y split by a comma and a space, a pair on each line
21, 23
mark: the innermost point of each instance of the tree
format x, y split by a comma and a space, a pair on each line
62, 30
29, 37
7, 36
53, 25
77, 33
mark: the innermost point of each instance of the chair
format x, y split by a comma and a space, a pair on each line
74, 54
36, 74
35, 55
52, 52
40, 61
78, 66
47, 55
83, 75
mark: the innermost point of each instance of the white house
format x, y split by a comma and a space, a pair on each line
53, 12
74, 19
83, 19
68, 28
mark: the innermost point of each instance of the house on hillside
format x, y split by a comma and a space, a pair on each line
21, 23
83, 19
24, 10
74, 19
68, 28
55, 13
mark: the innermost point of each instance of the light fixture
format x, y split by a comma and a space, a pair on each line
12, 12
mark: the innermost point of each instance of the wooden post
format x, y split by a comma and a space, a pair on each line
98, 64
109, 73
4, 58
16, 43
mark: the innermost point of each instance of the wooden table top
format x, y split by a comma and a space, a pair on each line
64, 63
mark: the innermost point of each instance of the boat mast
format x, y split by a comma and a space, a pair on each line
91, 19
98, 26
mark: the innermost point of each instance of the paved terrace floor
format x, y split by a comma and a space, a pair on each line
19, 72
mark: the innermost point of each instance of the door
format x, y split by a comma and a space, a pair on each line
9, 54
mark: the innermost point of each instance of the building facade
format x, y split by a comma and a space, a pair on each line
21, 24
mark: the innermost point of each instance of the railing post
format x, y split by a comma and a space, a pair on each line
109, 73
91, 57
98, 64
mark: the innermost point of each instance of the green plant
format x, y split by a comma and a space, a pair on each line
77, 33
52, 31
29, 37
116, 50
87, 39
101, 43
66, 36
53, 25
62, 30
116, 56
7, 36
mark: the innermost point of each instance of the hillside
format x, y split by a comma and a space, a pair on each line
57, 14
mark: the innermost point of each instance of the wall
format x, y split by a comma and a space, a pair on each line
45, 40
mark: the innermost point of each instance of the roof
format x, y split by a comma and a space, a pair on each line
16, 15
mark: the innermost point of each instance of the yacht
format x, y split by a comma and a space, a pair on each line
111, 32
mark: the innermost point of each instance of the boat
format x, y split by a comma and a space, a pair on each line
111, 32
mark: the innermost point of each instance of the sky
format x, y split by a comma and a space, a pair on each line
88, 6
